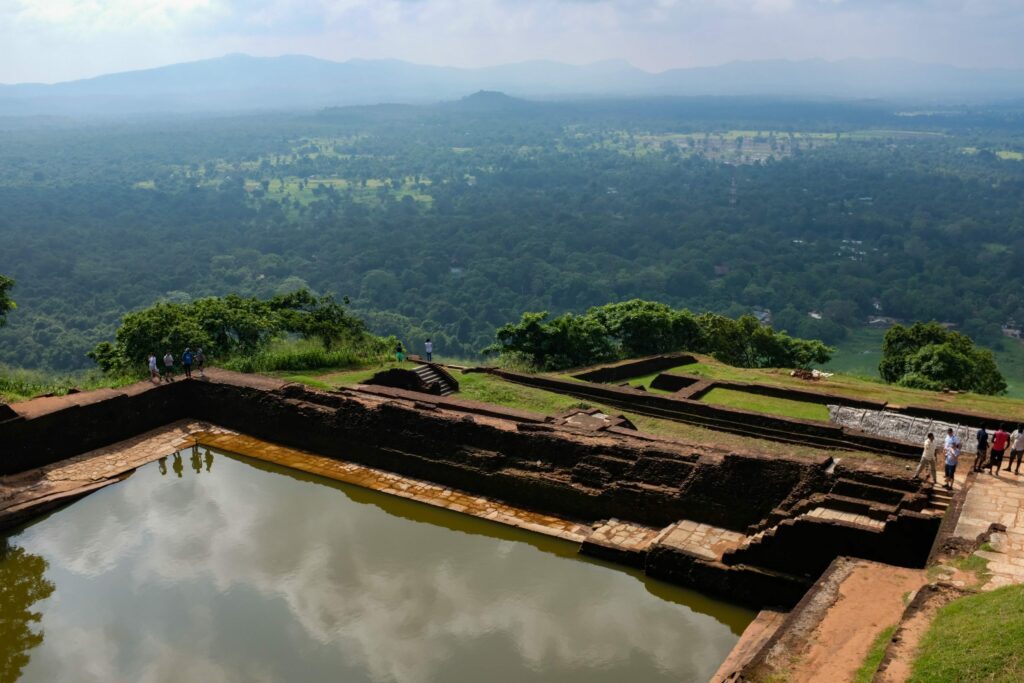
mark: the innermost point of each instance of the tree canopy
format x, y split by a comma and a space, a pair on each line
446, 223
635, 328
6, 303
226, 327
929, 356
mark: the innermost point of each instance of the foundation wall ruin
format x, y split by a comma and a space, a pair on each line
538, 465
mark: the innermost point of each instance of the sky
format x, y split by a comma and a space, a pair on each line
57, 40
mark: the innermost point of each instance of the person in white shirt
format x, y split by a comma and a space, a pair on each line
1016, 449
428, 346
928, 458
154, 374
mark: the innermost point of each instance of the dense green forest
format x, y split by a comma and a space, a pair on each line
451, 220
630, 329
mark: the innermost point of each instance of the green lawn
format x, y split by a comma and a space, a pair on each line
770, 405
860, 387
976, 638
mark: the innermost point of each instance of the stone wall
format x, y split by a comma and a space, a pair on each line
542, 466
790, 430
639, 367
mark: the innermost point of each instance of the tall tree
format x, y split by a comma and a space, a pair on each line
6, 303
928, 356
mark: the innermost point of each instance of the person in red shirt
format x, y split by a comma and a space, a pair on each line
1000, 440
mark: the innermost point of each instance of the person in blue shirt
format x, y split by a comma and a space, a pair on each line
953, 446
186, 362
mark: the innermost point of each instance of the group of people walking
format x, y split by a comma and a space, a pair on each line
989, 455
188, 359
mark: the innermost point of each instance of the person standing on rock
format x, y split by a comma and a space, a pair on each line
1016, 449
927, 458
981, 455
428, 346
168, 367
1000, 440
186, 362
154, 373
953, 448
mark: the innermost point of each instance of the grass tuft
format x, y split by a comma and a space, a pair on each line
867, 670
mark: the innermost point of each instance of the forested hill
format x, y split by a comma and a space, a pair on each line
448, 221
243, 83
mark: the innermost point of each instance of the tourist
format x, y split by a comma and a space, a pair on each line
168, 367
953, 447
927, 458
154, 373
1000, 440
1016, 449
399, 352
201, 362
186, 362
428, 346
981, 456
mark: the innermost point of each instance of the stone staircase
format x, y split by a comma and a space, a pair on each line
939, 500
432, 375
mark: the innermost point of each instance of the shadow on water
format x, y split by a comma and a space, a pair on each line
734, 616
22, 585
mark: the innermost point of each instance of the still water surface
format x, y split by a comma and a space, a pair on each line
211, 567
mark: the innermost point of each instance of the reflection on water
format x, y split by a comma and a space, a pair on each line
22, 585
249, 572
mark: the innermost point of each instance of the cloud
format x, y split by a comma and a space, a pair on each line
53, 39
111, 15
340, 581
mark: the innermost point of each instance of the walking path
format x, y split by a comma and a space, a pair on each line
997, 500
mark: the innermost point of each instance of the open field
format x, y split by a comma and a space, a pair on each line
1005, 154
856, 387
743, 400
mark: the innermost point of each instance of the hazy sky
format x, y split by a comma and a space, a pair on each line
52, 40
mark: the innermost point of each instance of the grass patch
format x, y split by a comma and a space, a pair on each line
20, 385
858, 387
770, 405
867, 670
478, 386
976, 638
973, 564
301, 356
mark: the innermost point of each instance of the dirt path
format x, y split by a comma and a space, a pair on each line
870, 599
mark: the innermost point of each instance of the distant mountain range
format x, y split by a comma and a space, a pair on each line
242, 82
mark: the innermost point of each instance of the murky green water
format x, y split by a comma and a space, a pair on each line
215, 568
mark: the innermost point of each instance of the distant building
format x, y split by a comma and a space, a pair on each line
882, 321
814, 314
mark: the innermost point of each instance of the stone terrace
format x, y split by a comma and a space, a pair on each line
997, 500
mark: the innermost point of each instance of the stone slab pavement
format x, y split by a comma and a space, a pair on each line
998, 500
